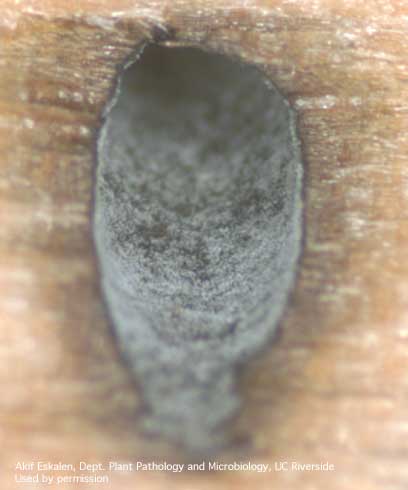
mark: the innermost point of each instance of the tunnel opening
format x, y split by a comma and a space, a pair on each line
197, 228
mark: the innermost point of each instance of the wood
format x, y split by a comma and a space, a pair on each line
334, 386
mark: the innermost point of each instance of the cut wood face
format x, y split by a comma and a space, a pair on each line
333, 386
198, 228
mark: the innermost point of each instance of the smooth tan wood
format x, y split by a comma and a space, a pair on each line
334, 385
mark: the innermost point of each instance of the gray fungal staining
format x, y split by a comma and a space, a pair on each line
197, 228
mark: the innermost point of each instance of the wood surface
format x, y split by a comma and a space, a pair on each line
334, 385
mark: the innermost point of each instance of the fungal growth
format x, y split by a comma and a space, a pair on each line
197, 228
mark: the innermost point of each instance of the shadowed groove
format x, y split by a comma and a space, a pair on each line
197, 227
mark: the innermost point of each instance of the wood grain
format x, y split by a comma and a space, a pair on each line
334, 386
